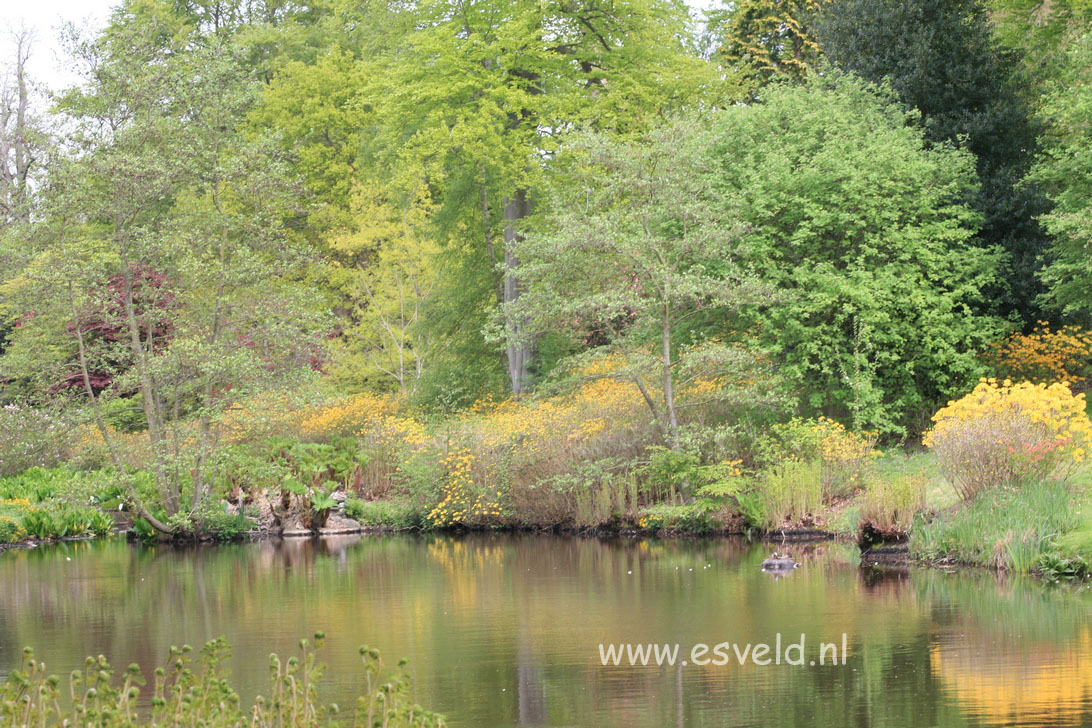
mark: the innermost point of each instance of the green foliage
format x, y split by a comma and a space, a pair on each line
858, 220
1055, 567
797, 441
385, 514
191, 690
767, 39
40, 524
1040, 31
942, 58
1066, 172
223, 526
67, 522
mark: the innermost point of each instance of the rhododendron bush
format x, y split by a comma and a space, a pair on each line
1006, 433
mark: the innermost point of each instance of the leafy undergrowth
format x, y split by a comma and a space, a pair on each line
55, 503
196, 692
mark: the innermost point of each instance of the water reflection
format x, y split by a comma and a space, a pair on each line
504, 630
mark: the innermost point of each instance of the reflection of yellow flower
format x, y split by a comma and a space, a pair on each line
1049, 685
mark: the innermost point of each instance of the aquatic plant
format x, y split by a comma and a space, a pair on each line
195, 692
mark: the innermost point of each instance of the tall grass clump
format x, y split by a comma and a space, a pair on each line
1006, 527
790, 492
196, 692
890, 505
1006, 433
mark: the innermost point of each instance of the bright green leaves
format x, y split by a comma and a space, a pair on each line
848, 210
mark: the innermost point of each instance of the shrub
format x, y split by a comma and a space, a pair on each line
189, 692
31, 437
11, 531
1044, 355
1009, 433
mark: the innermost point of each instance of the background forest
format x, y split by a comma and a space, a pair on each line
574, 263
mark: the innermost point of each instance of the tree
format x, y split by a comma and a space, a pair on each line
771, 38
854, 216
386, 267
166, 177
477, 96
1041, 31
22, 138
1065, 169
636, 240
942, 59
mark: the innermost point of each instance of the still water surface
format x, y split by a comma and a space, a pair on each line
505, 630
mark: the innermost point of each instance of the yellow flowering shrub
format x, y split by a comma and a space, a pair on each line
846, 456
345, 417
510, 450
1009, 433
1044, 355
11, 531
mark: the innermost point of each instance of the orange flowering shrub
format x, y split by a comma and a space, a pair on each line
1044, 355
1009, 433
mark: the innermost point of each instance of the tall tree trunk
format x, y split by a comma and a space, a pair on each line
520, 346
669, 382
151, 399
100, 423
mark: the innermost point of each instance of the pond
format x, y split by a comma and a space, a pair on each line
506, 630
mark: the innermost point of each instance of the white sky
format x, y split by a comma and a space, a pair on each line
44, 18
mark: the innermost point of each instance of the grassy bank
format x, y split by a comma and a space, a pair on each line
998, 487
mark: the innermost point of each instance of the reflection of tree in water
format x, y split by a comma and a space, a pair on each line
503, 630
